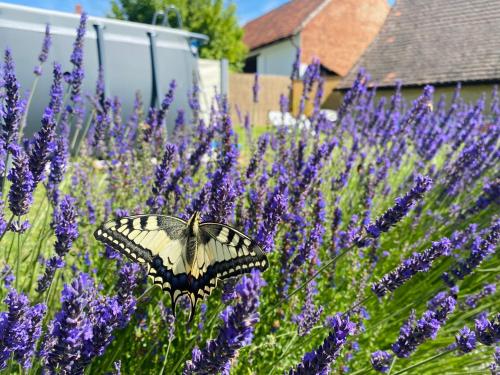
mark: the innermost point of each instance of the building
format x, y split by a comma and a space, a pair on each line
335, 31
438, 42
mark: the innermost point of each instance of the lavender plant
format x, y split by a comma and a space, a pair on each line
394, 198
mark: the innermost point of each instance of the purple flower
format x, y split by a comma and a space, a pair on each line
193, 99
20, 328
403, 204
63, 344
256, 88
284, 105
166, 103
129, 277
296, 65
414, 333
56, 90
66, 226
51, 266
319, 360
58, 165
43, 143
309, 249
83, 328
310, 314
488, 331
273, 214
77, 60
491, 194
419, 262
162, 173
44, 53
21, 190
235, 333
466, 340
256, 159
12, 108
472, 299
180, 121
381, 360
480, 249
225, 185
90, 211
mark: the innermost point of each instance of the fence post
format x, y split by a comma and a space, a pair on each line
224, 77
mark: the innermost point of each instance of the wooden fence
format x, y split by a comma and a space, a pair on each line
270, 89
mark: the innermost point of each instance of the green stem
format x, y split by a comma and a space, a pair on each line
24, 119
166, 357
392, 365
424, 362
18, 260
84, 134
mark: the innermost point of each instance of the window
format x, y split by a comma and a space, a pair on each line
250, 64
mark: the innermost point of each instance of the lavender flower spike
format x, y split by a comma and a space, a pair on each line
419, 262
44, 53
42, 146
381, 360
66, 227
77, 60
56, 90
318, 361
466, 340
21, 190
58, 165
403, 204
273, 212
12, 108
256, 88
488, 331
20, 328
236, 332
412, 334
480, 249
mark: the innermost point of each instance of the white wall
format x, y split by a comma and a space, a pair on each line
277, 58
210, 83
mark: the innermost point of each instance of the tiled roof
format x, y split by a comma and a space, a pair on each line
435, 42
280, 23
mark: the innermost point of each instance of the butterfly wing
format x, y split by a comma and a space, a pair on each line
230, 252
155, 240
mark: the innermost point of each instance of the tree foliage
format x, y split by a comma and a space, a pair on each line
209, 17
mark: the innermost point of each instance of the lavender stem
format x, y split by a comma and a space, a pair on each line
423, 362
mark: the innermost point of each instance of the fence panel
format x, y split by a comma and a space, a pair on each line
241, 95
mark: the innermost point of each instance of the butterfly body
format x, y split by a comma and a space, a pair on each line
184, 258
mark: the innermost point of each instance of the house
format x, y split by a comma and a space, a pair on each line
438, 42
335, 31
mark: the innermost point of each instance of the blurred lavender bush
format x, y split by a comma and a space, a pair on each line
380, 228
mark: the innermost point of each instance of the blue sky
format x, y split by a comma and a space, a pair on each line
247, 10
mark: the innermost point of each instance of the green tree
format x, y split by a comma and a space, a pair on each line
209, 17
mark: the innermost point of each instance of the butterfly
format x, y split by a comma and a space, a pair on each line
184, 258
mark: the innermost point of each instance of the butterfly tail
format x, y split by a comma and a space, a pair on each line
192, 301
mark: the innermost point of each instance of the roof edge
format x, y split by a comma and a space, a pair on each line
313, 14
434, 84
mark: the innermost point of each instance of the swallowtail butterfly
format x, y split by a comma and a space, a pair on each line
184, 258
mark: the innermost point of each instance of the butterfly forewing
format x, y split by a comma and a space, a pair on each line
230, 252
